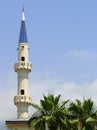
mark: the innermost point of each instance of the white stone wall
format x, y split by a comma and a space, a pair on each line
22, 82
22, 100
23, 51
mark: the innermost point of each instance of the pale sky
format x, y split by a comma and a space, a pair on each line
62, 37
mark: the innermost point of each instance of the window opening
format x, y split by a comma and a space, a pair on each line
22, 46
22, 92
22, 58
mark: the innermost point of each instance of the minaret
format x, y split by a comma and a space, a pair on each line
22, 67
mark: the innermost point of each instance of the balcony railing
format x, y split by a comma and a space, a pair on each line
23, 65
22, 98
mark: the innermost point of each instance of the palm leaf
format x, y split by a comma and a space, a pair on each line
62, 105
46, 104
78, 102
36, 106
87, 105
51, 97
91, 120
56, 101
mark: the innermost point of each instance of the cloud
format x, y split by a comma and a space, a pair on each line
82, 54
69, 90
74, 91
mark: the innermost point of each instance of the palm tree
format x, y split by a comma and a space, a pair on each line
83, 113
51, 114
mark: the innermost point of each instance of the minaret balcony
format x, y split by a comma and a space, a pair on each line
23, 65
22, 99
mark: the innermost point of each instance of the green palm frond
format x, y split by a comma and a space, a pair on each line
78, 102
91, 120
46, 118
51, 97
35, 121
64, 122
56, 101
63, 104
73, 122
46, 104
36, 106
88, 105
75, 108
44, 97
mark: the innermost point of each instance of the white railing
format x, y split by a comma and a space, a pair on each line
22, 98
23, 65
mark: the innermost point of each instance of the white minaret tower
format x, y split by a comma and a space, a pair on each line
22, 100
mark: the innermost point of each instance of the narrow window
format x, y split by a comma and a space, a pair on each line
22, 92
22, 58
22, 47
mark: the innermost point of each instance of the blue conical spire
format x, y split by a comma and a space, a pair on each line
23, 34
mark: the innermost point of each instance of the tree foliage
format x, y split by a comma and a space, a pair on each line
53, 114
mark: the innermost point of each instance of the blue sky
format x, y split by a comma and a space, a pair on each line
62, 38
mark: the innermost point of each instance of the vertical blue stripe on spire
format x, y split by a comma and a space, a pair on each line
23, 35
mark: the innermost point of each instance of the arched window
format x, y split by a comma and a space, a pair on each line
22, 92
22, 58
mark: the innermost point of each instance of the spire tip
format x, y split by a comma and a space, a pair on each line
23, 15
23, 9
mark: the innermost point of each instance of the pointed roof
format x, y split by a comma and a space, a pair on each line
23, 34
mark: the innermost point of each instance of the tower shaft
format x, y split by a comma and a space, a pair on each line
22, 67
